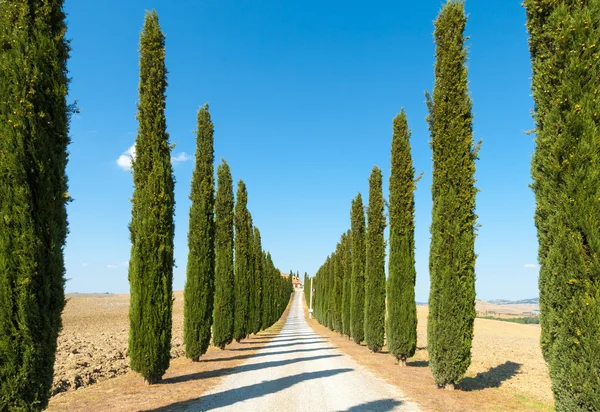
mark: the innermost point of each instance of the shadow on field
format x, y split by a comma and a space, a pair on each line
257, 390
283, 352
493, 378
241, 368
418, 364
381, 405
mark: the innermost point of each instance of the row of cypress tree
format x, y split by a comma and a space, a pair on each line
352, 287
232, 286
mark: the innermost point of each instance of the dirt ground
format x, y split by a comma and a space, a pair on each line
93, 349
507, 370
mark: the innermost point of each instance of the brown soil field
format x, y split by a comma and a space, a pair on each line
92, 349
507, 371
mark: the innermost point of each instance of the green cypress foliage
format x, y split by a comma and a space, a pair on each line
401, 305
347, 285
199, 288
267, 292
566, 80
306, 288
152, 227
258, 279
250, 280
375, 265
357, 300
452, 255
224, 274
338, 288
34, 127
243, 262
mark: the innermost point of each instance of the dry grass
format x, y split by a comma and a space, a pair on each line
507, 370
100, 324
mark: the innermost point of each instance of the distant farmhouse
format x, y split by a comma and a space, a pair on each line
295, 280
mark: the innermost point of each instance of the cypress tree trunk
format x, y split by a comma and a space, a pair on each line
199, 288
357, 300
452, 254
258, 279
375, 265
34, 127
347, 274
152, 227
243, 251
224, 275
566, 78
401, 305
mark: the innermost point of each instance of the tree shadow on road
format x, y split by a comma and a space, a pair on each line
493, 378
381, 405
241, 369
276, 340
285, 345
255, 355
232, 396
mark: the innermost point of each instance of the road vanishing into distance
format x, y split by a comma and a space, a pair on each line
298, 370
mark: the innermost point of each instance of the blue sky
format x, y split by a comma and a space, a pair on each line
302, 95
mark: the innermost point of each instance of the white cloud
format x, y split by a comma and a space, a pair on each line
532, 266
124, 161
84, 264
118, 265
181, 157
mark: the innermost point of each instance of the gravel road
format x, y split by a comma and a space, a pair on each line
300, 371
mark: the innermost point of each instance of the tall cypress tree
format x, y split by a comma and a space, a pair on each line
375, 265
338, 286
199, 288
347, 285
243, 262
258, 279
566, 78
224, 274
357, 300
152, 227
401, 305
267, 293
34, 127
452, 253
306, 288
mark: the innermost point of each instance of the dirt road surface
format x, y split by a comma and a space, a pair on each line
300, 371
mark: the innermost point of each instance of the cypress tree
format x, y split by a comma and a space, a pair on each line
375, 265
250, 280
401, 305
224, 274
152, 227
347, 274
258, 279
306, 289
267, 296
199, 287
566, 78
357, 300
452, 254
338, 286
243, 251
34, 127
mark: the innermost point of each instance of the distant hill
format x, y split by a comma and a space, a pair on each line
532, 301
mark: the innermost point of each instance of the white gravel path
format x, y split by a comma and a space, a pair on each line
300, 371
